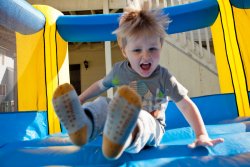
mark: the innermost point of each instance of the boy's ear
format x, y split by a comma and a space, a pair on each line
123, 52
161, 40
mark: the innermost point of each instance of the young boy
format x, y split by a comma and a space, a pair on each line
135, 117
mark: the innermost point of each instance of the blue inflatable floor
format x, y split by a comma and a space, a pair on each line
57, 150
24, 141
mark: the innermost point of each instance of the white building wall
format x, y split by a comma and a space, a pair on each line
197, 79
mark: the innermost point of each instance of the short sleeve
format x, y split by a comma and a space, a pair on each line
107, 80
176, 90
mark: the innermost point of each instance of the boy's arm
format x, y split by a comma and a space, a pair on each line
193, 116
94, 90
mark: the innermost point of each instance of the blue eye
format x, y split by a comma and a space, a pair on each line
153, 49
137, 50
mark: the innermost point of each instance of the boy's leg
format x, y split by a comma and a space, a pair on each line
97, 111
68, 109
150, 133
123, 112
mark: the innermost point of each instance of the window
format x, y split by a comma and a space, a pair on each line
2, 90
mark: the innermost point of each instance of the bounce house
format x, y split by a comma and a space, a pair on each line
33, 136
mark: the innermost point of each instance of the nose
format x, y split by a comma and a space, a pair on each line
146, 55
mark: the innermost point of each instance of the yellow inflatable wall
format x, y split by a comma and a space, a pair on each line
230, 36
42, 64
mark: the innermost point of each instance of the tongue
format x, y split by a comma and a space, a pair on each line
145, 66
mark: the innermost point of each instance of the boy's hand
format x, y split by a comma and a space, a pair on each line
204, 140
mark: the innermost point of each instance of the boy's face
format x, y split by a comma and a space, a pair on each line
143, 53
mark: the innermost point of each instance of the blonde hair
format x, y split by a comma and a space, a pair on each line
139, 19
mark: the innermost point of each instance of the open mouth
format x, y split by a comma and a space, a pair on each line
145, 66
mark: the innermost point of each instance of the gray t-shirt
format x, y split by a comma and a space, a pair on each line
154, 90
